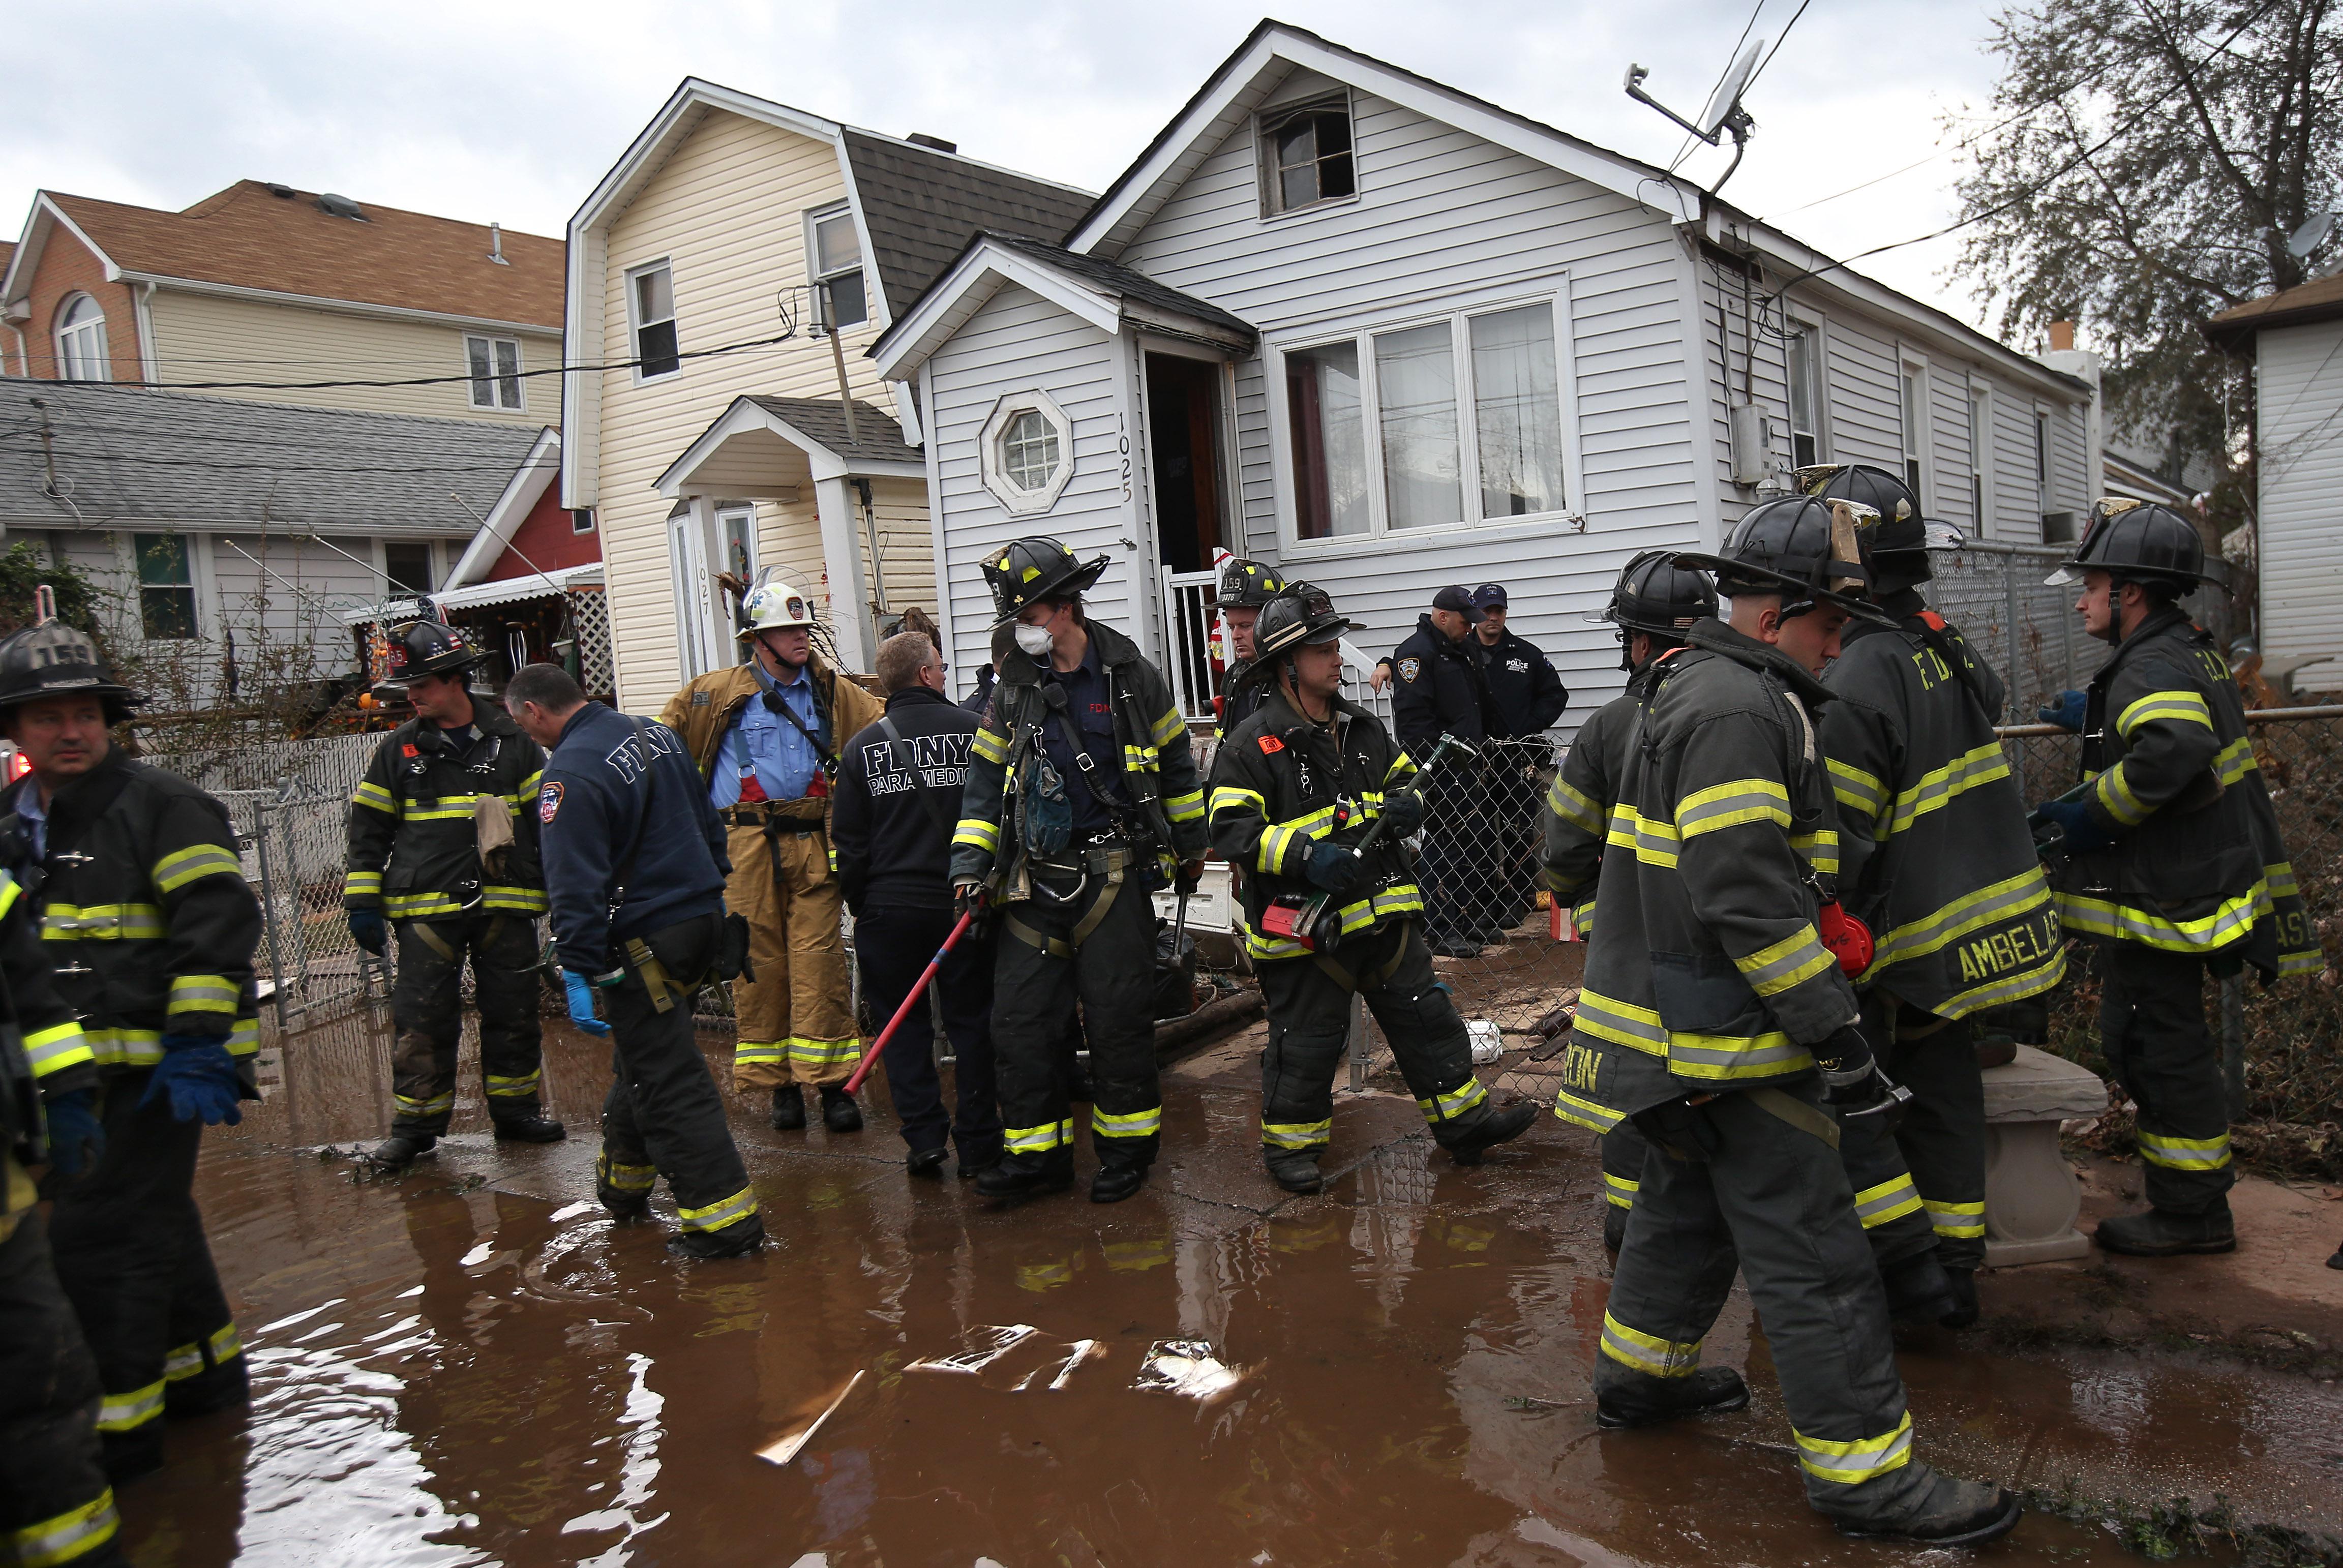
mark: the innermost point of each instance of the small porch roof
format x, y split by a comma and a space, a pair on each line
763, 446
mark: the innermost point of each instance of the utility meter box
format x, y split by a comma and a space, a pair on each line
1752, 444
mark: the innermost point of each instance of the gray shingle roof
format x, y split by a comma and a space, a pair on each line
126, 455
1123, 282
921, 206
823, 420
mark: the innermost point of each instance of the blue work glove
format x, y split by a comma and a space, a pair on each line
76, 1138
1403, 809
199, 1076
2067, 711
368, 930
581, 1003
2083, 834
1334, 868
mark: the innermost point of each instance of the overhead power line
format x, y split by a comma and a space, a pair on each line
429, 380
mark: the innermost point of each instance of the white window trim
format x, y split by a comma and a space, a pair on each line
1265, 176
1909, 363
1014, 498
817, 278
1815, 328
635, 327
2046, 462
1981, 455
431, 554
520, 377
57, 338
1553, 293
199, 579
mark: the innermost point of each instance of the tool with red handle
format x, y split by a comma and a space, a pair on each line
927, 978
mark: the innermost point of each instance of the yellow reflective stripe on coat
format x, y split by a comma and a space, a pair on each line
1654, 843
1994, 902
1187, 808
1133, 1124
1170, 725
2235, 761
1620, 1192
62, 1537
1040, 1139
177, 869
1621, 1023
1857, 790
514, 1087
1960, 1221
202, 993
1818, 849
1942, 786
128, 1411
989, 746
2113, 791
125, 1047
1258, 946
244, 1038
1450, 1104
416, 906
2183, 1153
1890, 1200
1573, 805
1139, 758
1232, 798
1788, 963
57, 1048
1851, 1463
2102, 918
102, 922
977, 833
2186, 707
716, 1215
520, 901
1580, 1111
1297, 1134
1722, 806
362, 884
376, 798
1649, 1353
1724, 1058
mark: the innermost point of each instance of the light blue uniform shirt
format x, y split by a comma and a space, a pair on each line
784, 761
36, 817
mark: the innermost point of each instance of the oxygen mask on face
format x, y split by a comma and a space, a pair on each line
1035, 640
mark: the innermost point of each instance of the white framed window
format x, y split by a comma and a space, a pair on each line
834, 262
2042, 460
1026, 452
167, 587
494, 365
582, 519
650, 310
1803, 365
1307, 158
1453, 422
1915, 432
81, 343
408, 566
1980, 458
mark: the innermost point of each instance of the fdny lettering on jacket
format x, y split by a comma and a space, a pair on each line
897, 767
626, 758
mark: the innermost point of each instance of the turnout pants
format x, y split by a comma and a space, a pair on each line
1734, 1183
1923, 1185
426, 1008
797, 1016
2152, 1030
1623, 1148
664, 1115
894, 947
1309, 1002
130, 1252
1045, 963
55, 1506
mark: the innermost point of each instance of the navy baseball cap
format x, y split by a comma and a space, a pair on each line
1489, 596
1455, 599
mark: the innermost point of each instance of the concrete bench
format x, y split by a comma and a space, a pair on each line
2031, 1196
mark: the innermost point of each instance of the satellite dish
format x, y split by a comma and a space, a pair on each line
1728, 90
2309, 236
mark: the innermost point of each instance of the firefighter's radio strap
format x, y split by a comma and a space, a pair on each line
775, 703
1109, 866
663, 990
1796, 1112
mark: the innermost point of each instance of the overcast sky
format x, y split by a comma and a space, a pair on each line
512, 111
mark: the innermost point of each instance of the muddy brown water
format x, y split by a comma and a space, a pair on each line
473, 1366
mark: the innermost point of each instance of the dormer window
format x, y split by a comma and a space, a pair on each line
1305, 153
81, 341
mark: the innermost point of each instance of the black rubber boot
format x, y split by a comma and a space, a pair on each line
926, 1162
1615, 1228
789, 1110
530, 1130
977, 1161
1965, 1301
1943, 1512
1113, 1183
2160, 1234
737, 1239
1918, 1291
1709, 1391
838, 1112
1022, 1175
1296, 1172
1503, 1122
400, 1149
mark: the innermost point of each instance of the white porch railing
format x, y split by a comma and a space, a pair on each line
1188, 617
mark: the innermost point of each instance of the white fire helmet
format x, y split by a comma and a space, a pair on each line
775, 604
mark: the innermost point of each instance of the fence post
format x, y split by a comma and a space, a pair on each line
1362, 1053
2010, 673
2233, 1044
262, 813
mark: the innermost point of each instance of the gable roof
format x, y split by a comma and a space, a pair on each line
251, 236
1244, 80
126, 456
920, 207
2320, 299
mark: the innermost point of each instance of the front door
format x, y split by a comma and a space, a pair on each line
1183, 441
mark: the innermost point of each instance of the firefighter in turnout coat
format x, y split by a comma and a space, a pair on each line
1295, 789
1654, 604
1936, 860
1727, 1029
442, 846
766, 736
150, 926
1082, 798
2172, 859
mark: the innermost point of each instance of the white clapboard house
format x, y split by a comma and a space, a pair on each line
1388, 336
